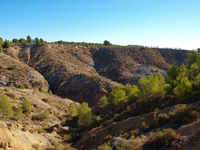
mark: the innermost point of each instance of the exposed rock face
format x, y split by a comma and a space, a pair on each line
127, 65
70, 72
13, 72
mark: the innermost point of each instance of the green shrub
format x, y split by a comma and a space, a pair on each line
72, 110
15, 41
6, 89
5, 107
35, 89
26, 106
106, 43
151, 86
43, 91
192, 57
161, 119
21, 86
172, 73
50, 92
185, 115
41, 116
160, 139
37, 41
18, 113
84, 115
12, 67
144, 126
22, 41
6, 44
1, 41
104, 147
103, 101
1, 49
133, 93
29, 39
184, 89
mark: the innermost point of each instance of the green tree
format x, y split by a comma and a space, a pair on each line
5, 107
29, 39
1, 49
15, 41
172, 73
18, 113
196, 82
22, 41
26, 106
84, 115
1, 41
106, 43
42, 41
120, 97
114, 90
192, 57
103, 101
184, 89
194, 70
72, 111
6, 44
133, 94
151, 86
37, 41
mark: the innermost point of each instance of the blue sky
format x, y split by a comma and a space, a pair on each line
162, 23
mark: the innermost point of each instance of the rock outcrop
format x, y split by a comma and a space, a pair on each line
13, 73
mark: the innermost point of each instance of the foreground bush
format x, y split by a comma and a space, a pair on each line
160, 139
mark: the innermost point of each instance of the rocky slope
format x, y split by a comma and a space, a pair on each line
128, 64
13, 73
28, 133
85, 74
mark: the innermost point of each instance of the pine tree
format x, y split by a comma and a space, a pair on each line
84, 115
103, 101
15, 41
22, 41
29, 39
5, 107
6, 44
37, 41
42, 41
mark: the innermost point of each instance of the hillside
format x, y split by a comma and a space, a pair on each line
86, 74
127, 117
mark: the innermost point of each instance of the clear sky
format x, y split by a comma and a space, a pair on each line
162, 23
